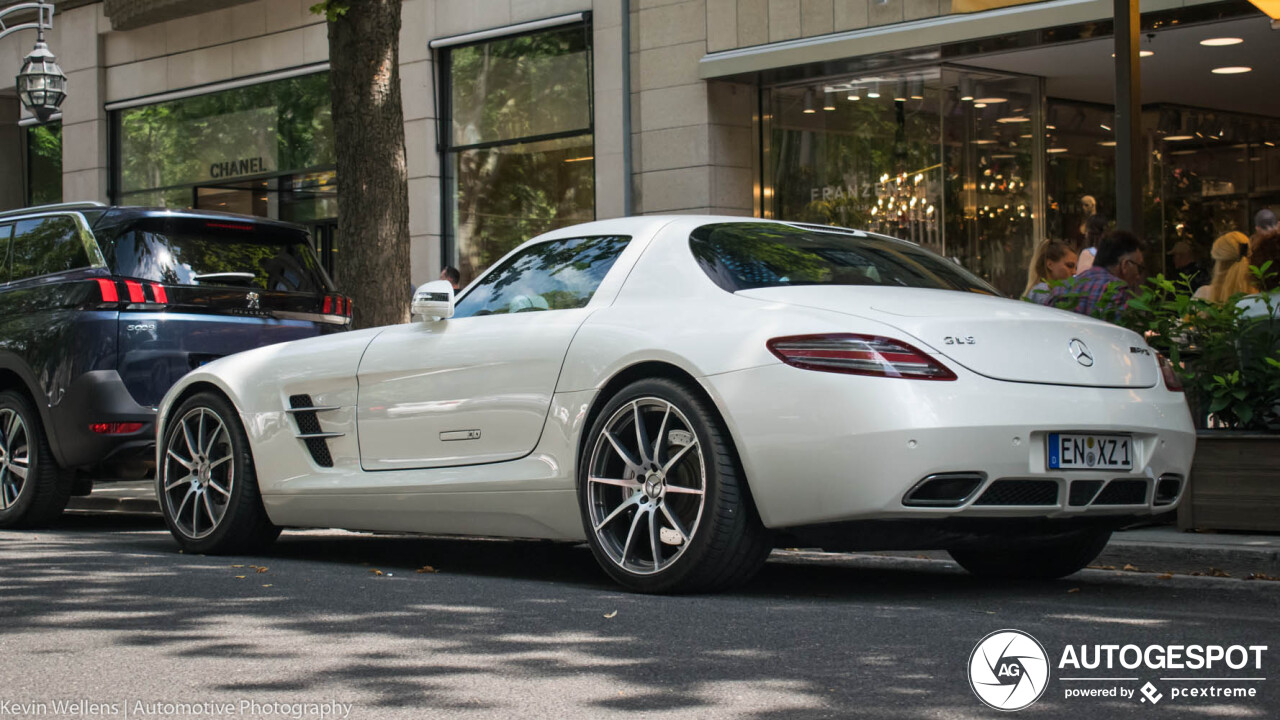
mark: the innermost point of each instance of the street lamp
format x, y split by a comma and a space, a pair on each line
42, 86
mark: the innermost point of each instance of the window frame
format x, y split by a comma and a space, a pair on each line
444, 127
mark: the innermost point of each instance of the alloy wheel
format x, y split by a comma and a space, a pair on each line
15, 457
646, 485
199, 472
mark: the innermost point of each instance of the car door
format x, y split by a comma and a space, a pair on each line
476, 388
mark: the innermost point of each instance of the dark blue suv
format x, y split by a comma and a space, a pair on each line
103, 308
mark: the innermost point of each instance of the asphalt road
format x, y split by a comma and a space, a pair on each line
105, 610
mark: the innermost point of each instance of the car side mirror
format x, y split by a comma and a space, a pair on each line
433, 300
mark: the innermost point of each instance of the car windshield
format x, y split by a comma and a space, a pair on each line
746, 256
186, 251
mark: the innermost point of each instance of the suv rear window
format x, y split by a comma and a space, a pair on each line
745, 256
201, 252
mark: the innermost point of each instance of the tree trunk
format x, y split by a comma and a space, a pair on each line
373, 196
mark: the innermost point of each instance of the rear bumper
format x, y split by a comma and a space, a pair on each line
821, 448
100, 396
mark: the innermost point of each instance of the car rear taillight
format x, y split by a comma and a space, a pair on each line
858, 355
131, 291
337, 305
1169, 373
115, 428
107, 289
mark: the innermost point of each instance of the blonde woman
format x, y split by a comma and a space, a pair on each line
1053, 260
1231, 275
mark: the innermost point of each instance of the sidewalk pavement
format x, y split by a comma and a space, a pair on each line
1156, 549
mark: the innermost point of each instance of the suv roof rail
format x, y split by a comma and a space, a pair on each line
83, 205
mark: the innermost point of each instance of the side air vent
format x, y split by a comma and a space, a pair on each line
1020, 492
943, 490
1123, 492
309, 430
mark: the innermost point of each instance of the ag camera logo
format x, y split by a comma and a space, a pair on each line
1008, 670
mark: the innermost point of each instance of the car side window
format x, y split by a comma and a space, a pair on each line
46, 245
553, 275
6, 232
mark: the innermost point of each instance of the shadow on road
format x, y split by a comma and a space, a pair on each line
347, 612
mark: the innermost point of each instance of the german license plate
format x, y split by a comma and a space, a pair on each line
1090, 452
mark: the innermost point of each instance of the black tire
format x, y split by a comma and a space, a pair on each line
727, 544
40, 497
1033, 558
239, 522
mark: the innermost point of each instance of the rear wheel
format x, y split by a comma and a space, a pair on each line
1034, 558
33, 489
207, 485
664, 504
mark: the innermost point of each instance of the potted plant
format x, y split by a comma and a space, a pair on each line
1228, 358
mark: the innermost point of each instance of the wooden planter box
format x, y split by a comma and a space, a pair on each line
1235, 483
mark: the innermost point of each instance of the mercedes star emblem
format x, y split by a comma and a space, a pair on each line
1080, 352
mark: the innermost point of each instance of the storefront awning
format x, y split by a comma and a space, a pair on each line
915, 34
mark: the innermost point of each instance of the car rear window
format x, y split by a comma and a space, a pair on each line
204, 253
745, 256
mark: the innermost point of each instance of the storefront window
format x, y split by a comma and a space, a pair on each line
520, 158
44, 163
200, 151
1216, 170
940, 157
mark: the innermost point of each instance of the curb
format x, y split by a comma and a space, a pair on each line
1237, 561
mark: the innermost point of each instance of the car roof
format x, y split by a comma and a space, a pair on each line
127, 213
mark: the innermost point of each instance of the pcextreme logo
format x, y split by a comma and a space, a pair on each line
1009, 670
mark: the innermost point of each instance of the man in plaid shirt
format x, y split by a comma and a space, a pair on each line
1102, 290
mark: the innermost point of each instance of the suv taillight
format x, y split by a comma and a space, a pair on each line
337, 305
858, 355
131, 291
1169, 373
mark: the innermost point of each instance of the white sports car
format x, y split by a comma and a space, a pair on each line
686, 393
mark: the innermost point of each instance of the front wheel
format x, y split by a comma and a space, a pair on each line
664, 503
207, 486
1036, 558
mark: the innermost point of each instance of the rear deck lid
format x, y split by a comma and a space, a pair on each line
1002, 339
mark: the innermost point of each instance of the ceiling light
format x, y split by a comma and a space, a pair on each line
984, 142
854, 94
990, 100
1221, 42
1104, 127
1056, 150
966, 89
1176, 138
1050, 127
1003, 156
1014, 119
979, 105
1183, 152
829, 101
1108, 143
1141, 53
873, 92
808, 102
1233, 70
900, 91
